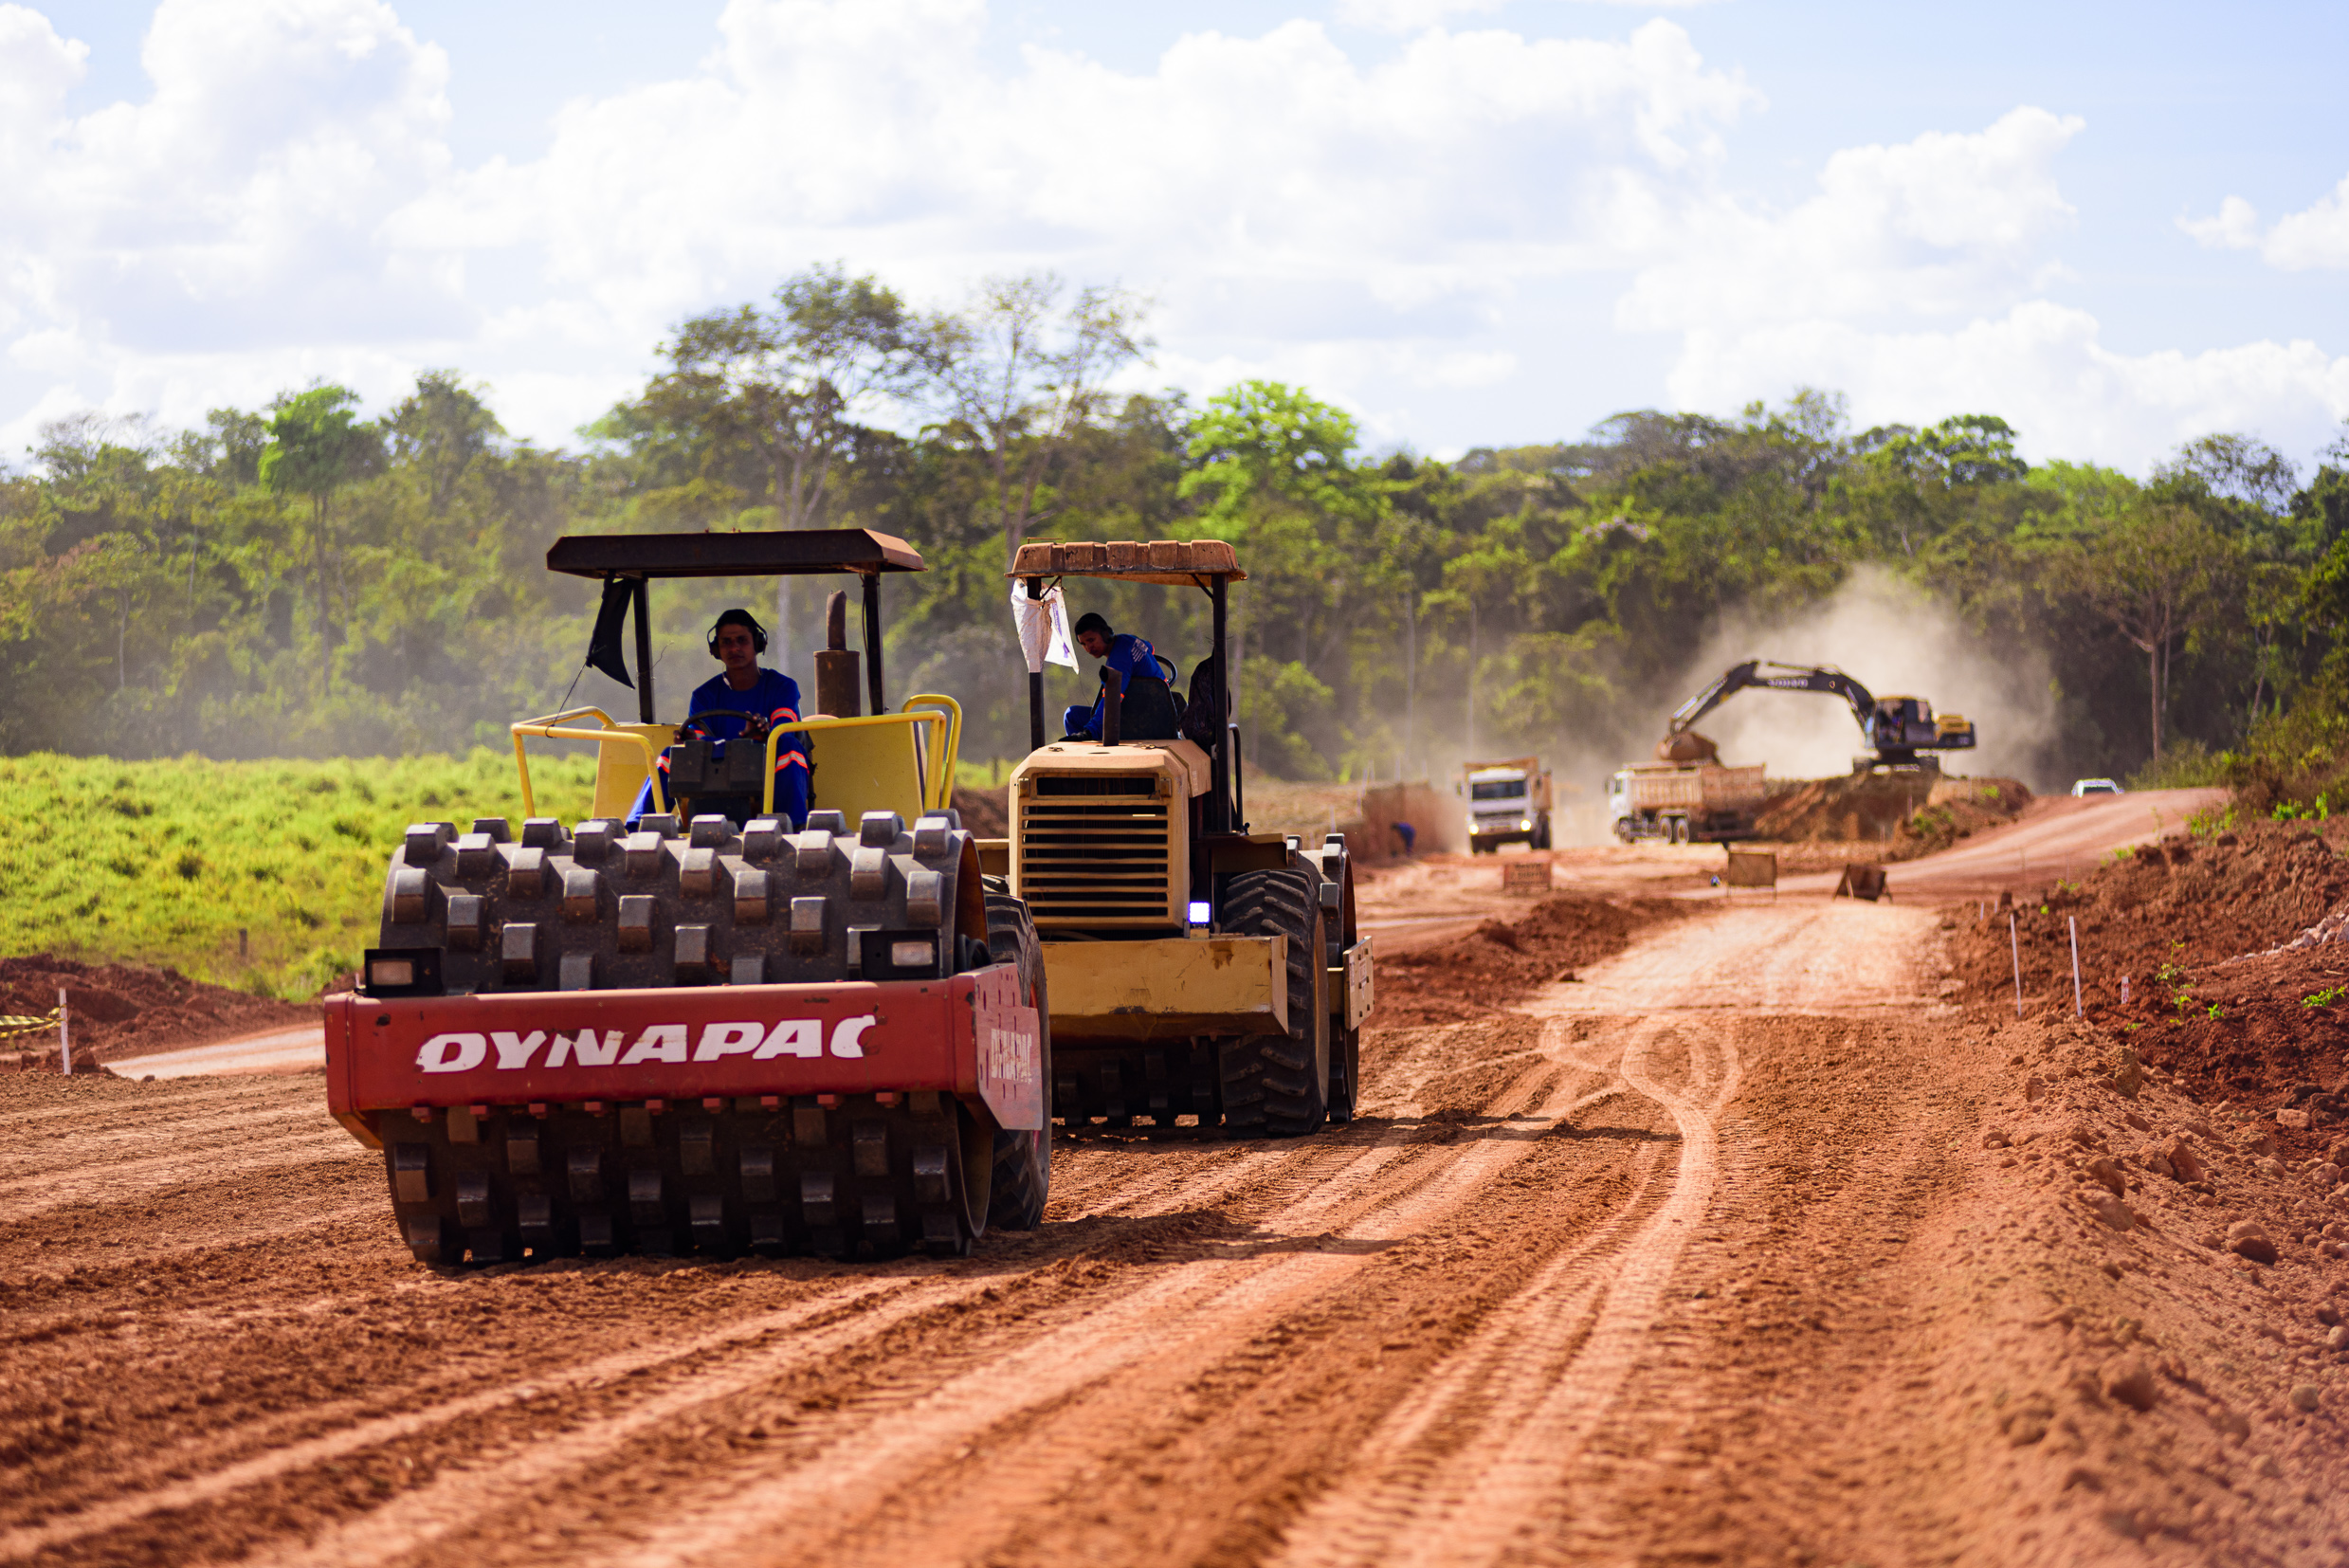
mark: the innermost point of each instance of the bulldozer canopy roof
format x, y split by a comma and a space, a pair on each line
748, 555
1171, 562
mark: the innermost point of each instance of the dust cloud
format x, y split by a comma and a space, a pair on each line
1893, 640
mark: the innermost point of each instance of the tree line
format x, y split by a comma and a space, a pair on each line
305, 580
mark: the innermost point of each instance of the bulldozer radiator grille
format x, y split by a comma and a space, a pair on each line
1096, 859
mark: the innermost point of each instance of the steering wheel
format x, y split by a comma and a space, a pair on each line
755, 726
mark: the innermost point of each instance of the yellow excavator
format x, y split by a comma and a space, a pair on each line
1901, 731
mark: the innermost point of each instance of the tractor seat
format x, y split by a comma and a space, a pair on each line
1149, 712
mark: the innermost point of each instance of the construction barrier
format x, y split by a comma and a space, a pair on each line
1525, 877
1862, 882
12, 1027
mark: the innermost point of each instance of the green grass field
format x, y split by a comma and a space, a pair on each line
164, 862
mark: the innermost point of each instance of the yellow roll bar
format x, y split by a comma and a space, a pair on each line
945, 746
556, 727
944, 726
939, 734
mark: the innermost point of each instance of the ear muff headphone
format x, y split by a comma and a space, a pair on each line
744, 619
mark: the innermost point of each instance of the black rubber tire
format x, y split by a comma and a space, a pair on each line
1023, 1161
1346, 1049
1278, 1084
1345, 1045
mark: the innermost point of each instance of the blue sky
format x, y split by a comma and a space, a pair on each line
1490, 221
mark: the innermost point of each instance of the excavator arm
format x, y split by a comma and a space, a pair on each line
1820, 678
1894, 728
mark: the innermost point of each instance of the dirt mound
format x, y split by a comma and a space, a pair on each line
986, 813
2264, 1033
2189, 1296
119, 1008
1500, 961
1911, 815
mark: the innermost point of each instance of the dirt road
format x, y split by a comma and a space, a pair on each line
2055, 838
1690, 1259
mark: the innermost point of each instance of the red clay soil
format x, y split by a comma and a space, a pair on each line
985, 812
2183, 1375
1500, 963
2189, 925
1900, 816
1746, 1249
117, 1009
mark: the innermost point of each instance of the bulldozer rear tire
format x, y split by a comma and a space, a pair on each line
1277, 1083
1023, 1161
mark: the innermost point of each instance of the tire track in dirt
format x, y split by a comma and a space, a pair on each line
1146, 1182
311, 1451
462, 1498
1147, 1344
1297, 1179
1466, 1469
1116, 1318
30, 1197
1032, 1363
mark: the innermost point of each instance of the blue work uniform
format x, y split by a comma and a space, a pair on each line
773, 695
1129, 656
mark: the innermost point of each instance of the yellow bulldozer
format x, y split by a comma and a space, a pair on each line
1193, 969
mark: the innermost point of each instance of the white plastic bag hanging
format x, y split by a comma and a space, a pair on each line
1044, 627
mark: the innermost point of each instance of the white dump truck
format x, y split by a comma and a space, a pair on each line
1508, 803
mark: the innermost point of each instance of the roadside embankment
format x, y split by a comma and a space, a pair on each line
114, 1008
1907, 813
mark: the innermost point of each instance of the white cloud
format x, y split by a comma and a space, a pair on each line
2234, 228
1400, 16
2316, 237
2038, 365
285, 198
1916, 280
1410, 15
1276, 157
1406, 232
218, 236
1941, 225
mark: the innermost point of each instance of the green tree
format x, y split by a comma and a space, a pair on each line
1266, 441
1018, 372
439, 429
1274, 468
316, 446
2156, 576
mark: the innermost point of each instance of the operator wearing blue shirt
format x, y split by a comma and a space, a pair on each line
1127, 654
745, 687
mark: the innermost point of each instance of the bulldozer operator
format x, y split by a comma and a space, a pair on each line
744, 702
1149, 711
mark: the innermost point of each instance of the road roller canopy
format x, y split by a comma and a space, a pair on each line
1170, 562
628, 562
800, 553
1210, 565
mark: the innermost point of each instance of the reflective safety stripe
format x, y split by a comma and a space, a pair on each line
789, 759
